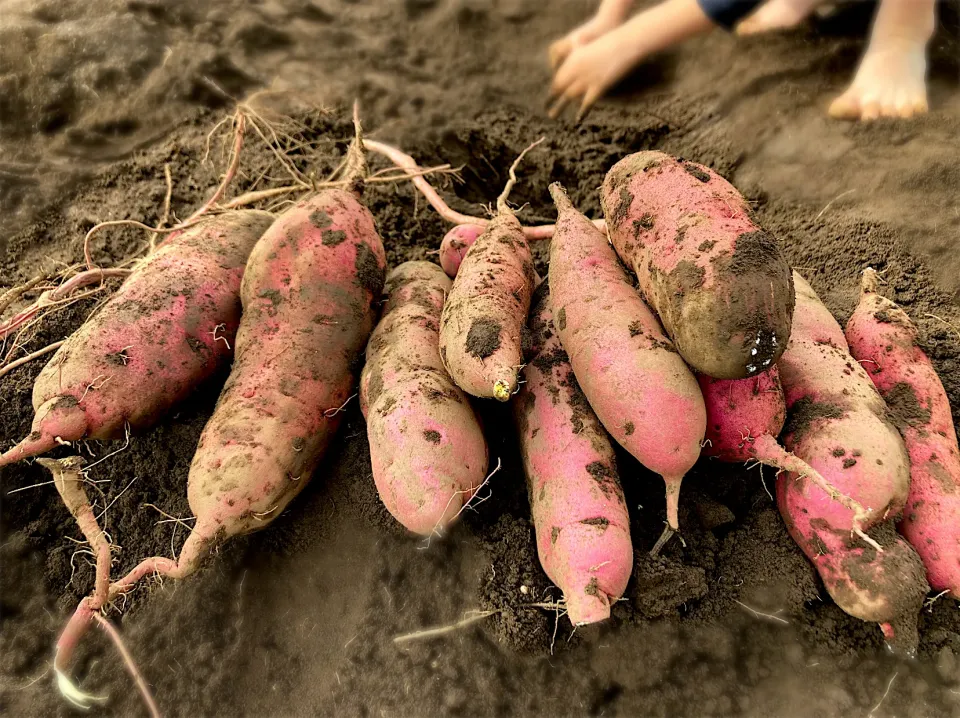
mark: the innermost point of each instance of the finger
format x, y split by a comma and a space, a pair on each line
559, 51
559, 106
589, 99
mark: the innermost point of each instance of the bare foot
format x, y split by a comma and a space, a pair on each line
777, 15
889, 83
891, 79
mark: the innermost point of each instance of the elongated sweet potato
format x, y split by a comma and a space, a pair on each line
455, 244
170, 326
636, 382
718, 282
580, 517
744, 418
310, 294
884, 341
837, 424
487, 306
426, 445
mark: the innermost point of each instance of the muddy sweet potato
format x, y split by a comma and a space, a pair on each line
884, 340
455, 244
744, 418
487, 306
169, 327
837, 424
579, 514
310, 294
718, 282
426, 446
639, 386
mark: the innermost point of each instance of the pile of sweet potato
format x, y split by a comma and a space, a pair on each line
678, 332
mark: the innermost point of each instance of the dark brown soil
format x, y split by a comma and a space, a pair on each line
299, 619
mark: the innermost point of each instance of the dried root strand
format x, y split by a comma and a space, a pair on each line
511, 183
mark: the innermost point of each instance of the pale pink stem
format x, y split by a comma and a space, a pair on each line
407, 163
68, 479
147, 567
130, 664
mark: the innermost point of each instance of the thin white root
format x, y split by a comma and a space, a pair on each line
473, 617
30, 357
867, 540
761, 614
69, 690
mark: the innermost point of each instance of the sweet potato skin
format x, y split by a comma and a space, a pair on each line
426, 445
169, 327
884, 340
310, 299
739, 411
579, 513
639, 386
719, 283
837, 424
837, 419
455, 244
485, 311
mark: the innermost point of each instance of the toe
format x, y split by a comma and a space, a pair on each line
904, 110
845, 107
870, 110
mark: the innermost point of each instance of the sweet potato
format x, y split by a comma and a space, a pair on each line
426, 445
718, 282
310, 295
170, 326
744, 418
884, 341
579, 513
487, 307
636, 382
837, 424
455, 244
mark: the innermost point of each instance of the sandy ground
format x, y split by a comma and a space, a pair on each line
298, 620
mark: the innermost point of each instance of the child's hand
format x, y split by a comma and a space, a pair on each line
589, 71
594, 28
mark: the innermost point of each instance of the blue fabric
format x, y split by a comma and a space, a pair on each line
727, 13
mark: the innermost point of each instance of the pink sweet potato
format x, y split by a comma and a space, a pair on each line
636, 382
426, 445
487, 306
310, 295
579, 513
170, 326
884, 341
718, 282
837, 424
455, 244
744, 418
